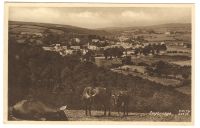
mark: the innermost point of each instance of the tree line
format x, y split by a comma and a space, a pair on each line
150, 48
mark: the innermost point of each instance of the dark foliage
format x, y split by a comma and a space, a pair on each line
58, 80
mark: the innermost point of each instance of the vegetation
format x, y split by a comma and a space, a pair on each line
154, 49
165, 69
59, 80
113, 52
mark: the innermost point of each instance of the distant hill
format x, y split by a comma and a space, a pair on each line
170, 26
173, 25
16, 26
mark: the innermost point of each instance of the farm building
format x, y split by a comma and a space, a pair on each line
48, 48
75, 47
21, 41
95, 40
77, 40
92, 47
57, 47
167, 33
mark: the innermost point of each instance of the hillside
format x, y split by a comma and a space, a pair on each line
18, 26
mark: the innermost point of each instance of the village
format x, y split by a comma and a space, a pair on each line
151, 64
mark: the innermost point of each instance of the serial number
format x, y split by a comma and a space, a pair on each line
184, 112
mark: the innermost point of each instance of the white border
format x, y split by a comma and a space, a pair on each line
197, 50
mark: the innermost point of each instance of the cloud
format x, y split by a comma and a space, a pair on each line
101, 17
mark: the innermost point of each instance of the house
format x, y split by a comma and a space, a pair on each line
95, 40
92, 47
64, 47
21, 41
57, 47
126, 45
84, 51
75, 47
162, 43
102, 41
130, 52
167, 33
38, 34
77, 40
47, 48
68, 51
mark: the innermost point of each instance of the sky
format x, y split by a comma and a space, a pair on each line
102, 17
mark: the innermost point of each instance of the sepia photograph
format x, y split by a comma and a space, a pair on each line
69, 62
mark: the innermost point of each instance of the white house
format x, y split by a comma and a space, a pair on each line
92, 47
84, 51
57, 47
167, 33
77, 40
47, 48
75, 47
64, 47
68, 51
95, 40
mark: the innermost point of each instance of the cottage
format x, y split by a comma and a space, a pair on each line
95, 40
21, 41
167, 33
47, 48
92, 47
68, 51
64, 47
57, 47
38, 34
84, 51
77, 40
75, 47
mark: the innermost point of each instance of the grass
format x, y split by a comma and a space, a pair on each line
159, 37
185, 90
159, 80
167, 58
79, 115
179, 49
182, 63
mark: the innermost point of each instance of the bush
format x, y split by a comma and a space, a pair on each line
142, 64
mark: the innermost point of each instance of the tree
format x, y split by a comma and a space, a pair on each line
105, 52
163, 47
89, 56
113, 52
146, 50
136, 51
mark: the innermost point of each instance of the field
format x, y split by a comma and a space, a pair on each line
166, 57
185, 90
159, 80
79, 115
182, 63
179, 49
